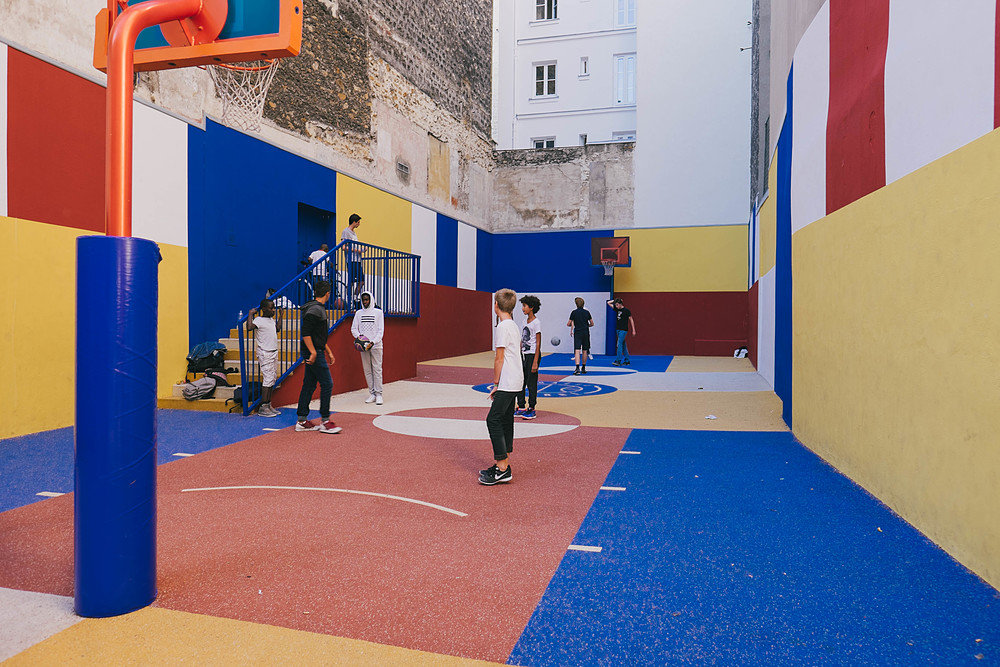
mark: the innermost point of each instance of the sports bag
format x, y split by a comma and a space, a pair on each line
200, 388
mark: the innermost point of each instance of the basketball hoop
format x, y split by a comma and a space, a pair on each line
609, 266
243, 88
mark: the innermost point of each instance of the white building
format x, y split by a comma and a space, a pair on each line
564, 72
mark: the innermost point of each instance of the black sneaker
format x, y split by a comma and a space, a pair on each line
583, 371
489, 470
495, 476
627, 363
577, 371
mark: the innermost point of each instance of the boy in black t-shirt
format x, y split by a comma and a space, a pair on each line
623, 322
579, 325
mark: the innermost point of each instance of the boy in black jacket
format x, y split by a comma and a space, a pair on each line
314, 332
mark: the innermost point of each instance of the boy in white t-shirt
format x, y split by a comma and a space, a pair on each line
266, 328
508, 380
531, 354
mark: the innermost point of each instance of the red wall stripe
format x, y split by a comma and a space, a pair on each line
754, 319
55, 145
452, 322
688, 323
855, 139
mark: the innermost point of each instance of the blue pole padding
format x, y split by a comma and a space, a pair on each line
115, 436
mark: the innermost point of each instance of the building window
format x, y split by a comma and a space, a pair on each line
544, 142
628, 135
545, 80
583, 139
546, 10
584, 66
625, 79
625, 15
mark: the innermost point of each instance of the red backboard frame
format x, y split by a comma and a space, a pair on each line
611, 247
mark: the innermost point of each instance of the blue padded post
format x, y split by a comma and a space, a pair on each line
115, 437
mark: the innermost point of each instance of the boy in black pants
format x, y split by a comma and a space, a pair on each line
531, 354
508, 380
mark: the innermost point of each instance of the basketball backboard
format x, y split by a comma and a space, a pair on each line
250, 30
614, 248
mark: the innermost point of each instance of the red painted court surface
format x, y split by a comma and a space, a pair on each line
458, 575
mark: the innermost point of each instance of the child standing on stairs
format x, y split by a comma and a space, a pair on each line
266, 342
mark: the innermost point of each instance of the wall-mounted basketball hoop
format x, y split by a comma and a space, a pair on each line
609, 252
243, 88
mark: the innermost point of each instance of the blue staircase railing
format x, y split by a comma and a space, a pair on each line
392, 276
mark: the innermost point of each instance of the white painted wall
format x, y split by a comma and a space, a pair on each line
466, 256
424, 242
692, 156
159, 176
583, 104
556, 307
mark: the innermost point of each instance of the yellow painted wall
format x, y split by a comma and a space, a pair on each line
172, 333
385, 218
38, 336
895, 348
685, 259
767, 221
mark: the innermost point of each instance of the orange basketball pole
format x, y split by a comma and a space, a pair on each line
121, 57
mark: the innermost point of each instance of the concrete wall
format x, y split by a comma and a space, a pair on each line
587, 187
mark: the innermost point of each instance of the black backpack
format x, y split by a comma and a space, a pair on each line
254, 390
206, 356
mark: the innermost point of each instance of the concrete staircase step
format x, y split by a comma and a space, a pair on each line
206, 404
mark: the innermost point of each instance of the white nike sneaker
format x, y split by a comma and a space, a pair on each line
378, 399
370, 399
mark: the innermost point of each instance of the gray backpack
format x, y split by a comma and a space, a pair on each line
200, 388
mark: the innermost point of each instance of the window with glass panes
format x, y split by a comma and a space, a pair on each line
544, 142
625, 79
625, 15
545, 79
546, 10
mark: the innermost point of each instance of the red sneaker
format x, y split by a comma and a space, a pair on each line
329, 427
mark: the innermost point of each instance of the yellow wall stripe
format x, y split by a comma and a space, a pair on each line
685, 259
38, 335
386, 220
897, 318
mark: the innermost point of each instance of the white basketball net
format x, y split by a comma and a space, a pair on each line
609, 266
243, 89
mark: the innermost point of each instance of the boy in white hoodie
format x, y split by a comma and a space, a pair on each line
370, 323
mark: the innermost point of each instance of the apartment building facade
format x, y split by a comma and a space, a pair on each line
564, 72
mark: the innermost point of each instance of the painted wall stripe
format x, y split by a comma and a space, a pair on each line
447, 251
3, 130
855, 139
810, 76
424, 235
466, 256
160, 177
940, 81
783, 260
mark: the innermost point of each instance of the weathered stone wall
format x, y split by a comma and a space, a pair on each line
578, 187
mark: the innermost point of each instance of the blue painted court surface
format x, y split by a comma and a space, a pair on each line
647, 364
746, 549
560, 389
43, 462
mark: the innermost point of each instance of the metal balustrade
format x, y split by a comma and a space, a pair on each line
391, 276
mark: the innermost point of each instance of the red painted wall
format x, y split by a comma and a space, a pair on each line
753, 322
55, 145
688, 323
452, 322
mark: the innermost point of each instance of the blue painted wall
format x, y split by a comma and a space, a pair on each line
546, 262
243, 218
484, 261
783, 265
447, 251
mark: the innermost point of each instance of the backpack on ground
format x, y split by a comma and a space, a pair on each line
199, 389
253, 390
219, 375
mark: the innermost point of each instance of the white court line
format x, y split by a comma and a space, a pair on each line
273, 429
49, 494
581, 547
612, 488
625, 451
182, 454
360, 493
